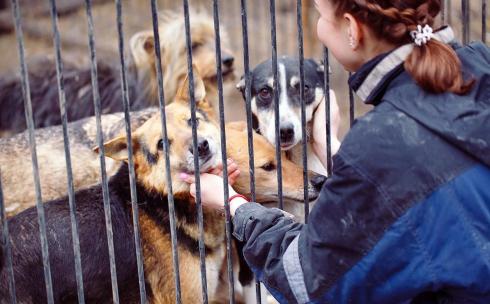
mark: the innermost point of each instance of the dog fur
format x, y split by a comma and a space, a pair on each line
262, 104
153, 216
141, 76
154, 221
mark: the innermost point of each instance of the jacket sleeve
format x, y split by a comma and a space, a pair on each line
299, 262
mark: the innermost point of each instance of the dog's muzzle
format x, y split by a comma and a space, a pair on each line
286, 134
203, 150
207, 154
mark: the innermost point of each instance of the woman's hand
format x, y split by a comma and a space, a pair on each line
212, 191
319, 131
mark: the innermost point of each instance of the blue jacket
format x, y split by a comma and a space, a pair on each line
405, 216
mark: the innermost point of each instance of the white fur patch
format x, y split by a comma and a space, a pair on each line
294, 81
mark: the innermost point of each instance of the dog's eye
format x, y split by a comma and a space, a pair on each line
265, 94
161, 142
195, 45
307, 89
189, 122
269, 167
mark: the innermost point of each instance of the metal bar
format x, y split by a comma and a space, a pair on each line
32, 145
166, 147
248, 97
69, 171
256, 27
449, 12
443, 12
100, 143
304, 140
5, 243
202, 254
231, 289
326, 78
276, 101
248, 111
351, 105
484, 21
290, 32
132, 175
465, 10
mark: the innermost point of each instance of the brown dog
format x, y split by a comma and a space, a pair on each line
141, 76
152, 189
154, 221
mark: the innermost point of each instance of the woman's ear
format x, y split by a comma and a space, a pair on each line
354, 31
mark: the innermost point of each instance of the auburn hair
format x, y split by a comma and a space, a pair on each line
434, 66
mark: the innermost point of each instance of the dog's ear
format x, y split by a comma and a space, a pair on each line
320, 67
199, 88
116, 148
241, 85
142, 46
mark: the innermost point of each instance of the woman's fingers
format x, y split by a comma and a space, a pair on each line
188, 178
233, 177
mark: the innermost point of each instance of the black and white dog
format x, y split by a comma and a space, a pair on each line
262, 79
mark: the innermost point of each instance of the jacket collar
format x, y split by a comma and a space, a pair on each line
371, 80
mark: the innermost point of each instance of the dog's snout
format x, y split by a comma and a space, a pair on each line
202, 148
317, 181
287, 134
228, 61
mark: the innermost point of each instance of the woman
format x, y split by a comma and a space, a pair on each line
405, 216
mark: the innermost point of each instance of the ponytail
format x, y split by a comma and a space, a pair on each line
434, 66
437, 69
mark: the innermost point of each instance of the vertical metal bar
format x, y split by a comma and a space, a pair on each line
276, 101
69, 172
32, 145
132, 175
168, 175
443, 12
465, 10
449, 12
256, 27
100, 143
484, 21
5, 243
231, 289
202, 254
326, 79
248, 110
299, 18
248, 96
351, 105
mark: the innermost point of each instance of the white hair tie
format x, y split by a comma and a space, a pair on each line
422, 35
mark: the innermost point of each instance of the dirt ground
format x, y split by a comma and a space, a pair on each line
136, 16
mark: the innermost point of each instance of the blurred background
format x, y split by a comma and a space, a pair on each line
137, 16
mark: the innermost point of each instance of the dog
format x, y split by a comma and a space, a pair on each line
154, 222
290, 126
290, 131
141, 76
153, 216
17, 176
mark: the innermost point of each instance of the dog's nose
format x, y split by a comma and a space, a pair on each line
317, 181
202, 148
228, 61
287, 134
